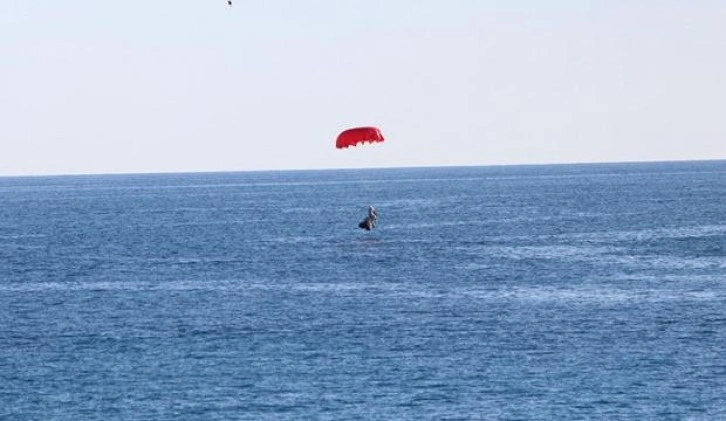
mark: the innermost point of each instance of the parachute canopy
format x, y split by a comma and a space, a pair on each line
352, 137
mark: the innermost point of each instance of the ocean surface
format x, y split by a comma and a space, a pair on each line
564, 292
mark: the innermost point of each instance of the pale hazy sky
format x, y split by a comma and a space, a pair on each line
98, 86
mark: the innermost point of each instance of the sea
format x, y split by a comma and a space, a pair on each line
544, 292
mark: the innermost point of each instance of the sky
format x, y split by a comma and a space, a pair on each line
99, 87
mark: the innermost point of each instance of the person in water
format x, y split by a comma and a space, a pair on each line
370, 222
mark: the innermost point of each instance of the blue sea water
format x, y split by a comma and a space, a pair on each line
567, 292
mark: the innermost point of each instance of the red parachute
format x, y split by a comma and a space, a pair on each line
352, 137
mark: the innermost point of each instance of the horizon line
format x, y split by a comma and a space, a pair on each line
306, 169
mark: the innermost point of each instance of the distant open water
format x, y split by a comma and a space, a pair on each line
569, 292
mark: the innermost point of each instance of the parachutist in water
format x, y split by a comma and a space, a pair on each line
370, 222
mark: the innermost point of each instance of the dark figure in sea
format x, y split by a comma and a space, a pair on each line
370, 222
